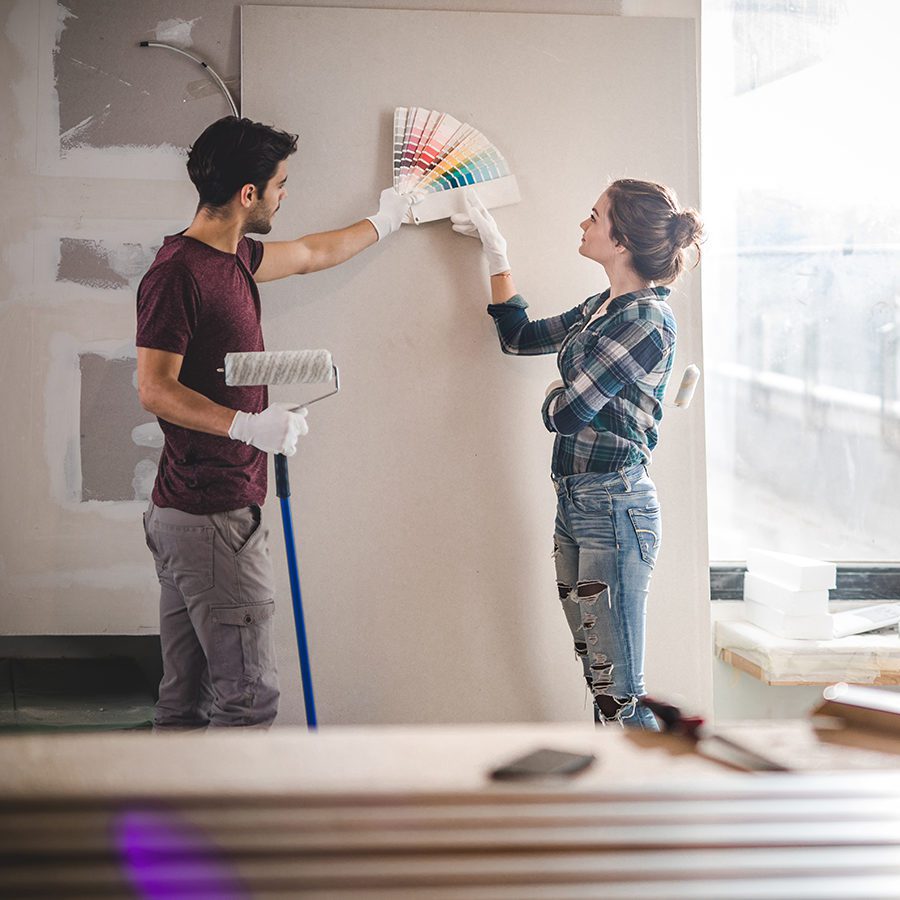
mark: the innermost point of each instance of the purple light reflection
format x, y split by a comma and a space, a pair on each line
165, 857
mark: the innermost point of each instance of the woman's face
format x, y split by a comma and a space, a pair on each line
596, 243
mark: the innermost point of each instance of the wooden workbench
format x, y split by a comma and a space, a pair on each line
859, 659
410, 814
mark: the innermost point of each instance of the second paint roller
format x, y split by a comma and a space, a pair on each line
287, 367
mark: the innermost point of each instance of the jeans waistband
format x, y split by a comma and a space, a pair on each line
625, 477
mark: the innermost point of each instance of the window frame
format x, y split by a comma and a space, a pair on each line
865, 582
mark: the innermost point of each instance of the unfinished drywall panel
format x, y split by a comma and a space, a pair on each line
68, 565
102, 264
422, 492
110, 107
114, 466
71, 261
100, 441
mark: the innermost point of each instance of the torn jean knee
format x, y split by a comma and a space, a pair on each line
565, 595
614, 709
608, 707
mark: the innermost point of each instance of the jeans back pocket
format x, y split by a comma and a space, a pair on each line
647, 528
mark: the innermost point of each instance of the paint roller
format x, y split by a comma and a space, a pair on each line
686, 389
287, 367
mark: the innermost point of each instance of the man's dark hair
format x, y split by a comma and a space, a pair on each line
233, 152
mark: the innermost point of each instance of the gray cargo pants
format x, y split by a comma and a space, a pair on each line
215, 618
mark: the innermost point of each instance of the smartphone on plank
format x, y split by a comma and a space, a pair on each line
543, 763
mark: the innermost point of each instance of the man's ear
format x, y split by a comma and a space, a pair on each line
248, 195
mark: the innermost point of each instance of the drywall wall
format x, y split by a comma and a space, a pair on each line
425, 506
92, 151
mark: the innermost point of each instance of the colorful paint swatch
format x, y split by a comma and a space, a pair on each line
435, 153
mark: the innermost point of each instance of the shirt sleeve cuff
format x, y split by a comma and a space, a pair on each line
517, 301
545, 409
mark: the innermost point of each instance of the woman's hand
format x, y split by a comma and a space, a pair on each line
478, 222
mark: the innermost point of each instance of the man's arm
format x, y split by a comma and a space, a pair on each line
161, 393
330, 248
314, 252
274, 430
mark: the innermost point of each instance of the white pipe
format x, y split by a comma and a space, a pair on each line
200, 62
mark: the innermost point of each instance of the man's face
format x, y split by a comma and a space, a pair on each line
259, 218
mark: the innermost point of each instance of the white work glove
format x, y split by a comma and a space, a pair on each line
392, 210
478, 222
274, 430
554, 386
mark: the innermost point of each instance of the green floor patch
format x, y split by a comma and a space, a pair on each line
73, 695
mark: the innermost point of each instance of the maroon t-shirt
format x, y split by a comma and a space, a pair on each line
202, 303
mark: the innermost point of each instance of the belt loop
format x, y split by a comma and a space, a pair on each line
625, 480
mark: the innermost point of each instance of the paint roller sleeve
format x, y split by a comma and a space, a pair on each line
278, 367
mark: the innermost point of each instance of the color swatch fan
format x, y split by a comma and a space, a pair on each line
440, 157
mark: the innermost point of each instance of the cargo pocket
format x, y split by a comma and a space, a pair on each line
186, 551
646, 523
243, 639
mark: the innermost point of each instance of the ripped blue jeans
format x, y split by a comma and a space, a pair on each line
607, 538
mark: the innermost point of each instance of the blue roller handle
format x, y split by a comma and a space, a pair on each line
283, 490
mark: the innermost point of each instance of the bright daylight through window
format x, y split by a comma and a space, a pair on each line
801, 276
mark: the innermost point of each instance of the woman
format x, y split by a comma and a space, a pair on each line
615, 353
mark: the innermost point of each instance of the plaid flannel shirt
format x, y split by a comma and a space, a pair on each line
615, 370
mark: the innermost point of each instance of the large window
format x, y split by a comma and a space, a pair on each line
801, 276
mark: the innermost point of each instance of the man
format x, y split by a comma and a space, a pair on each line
199, 301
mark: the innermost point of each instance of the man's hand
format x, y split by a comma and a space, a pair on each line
392, 209
478, 222
274, 430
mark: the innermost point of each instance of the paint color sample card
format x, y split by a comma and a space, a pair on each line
435, 155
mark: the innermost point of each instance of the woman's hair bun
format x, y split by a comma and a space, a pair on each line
645, 217
687, 228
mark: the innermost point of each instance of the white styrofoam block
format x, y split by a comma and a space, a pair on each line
816, 627
797, 573
794, 603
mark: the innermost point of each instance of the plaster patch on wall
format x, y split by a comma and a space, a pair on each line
109, 108
113, 466
143, 479
76, 483
68, 260
103, 264
62, 15
206, 87
176, 32
149, 434
117, 577
18, 68
77, 135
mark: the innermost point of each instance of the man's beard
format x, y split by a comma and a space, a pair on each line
258, 225
260, 222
